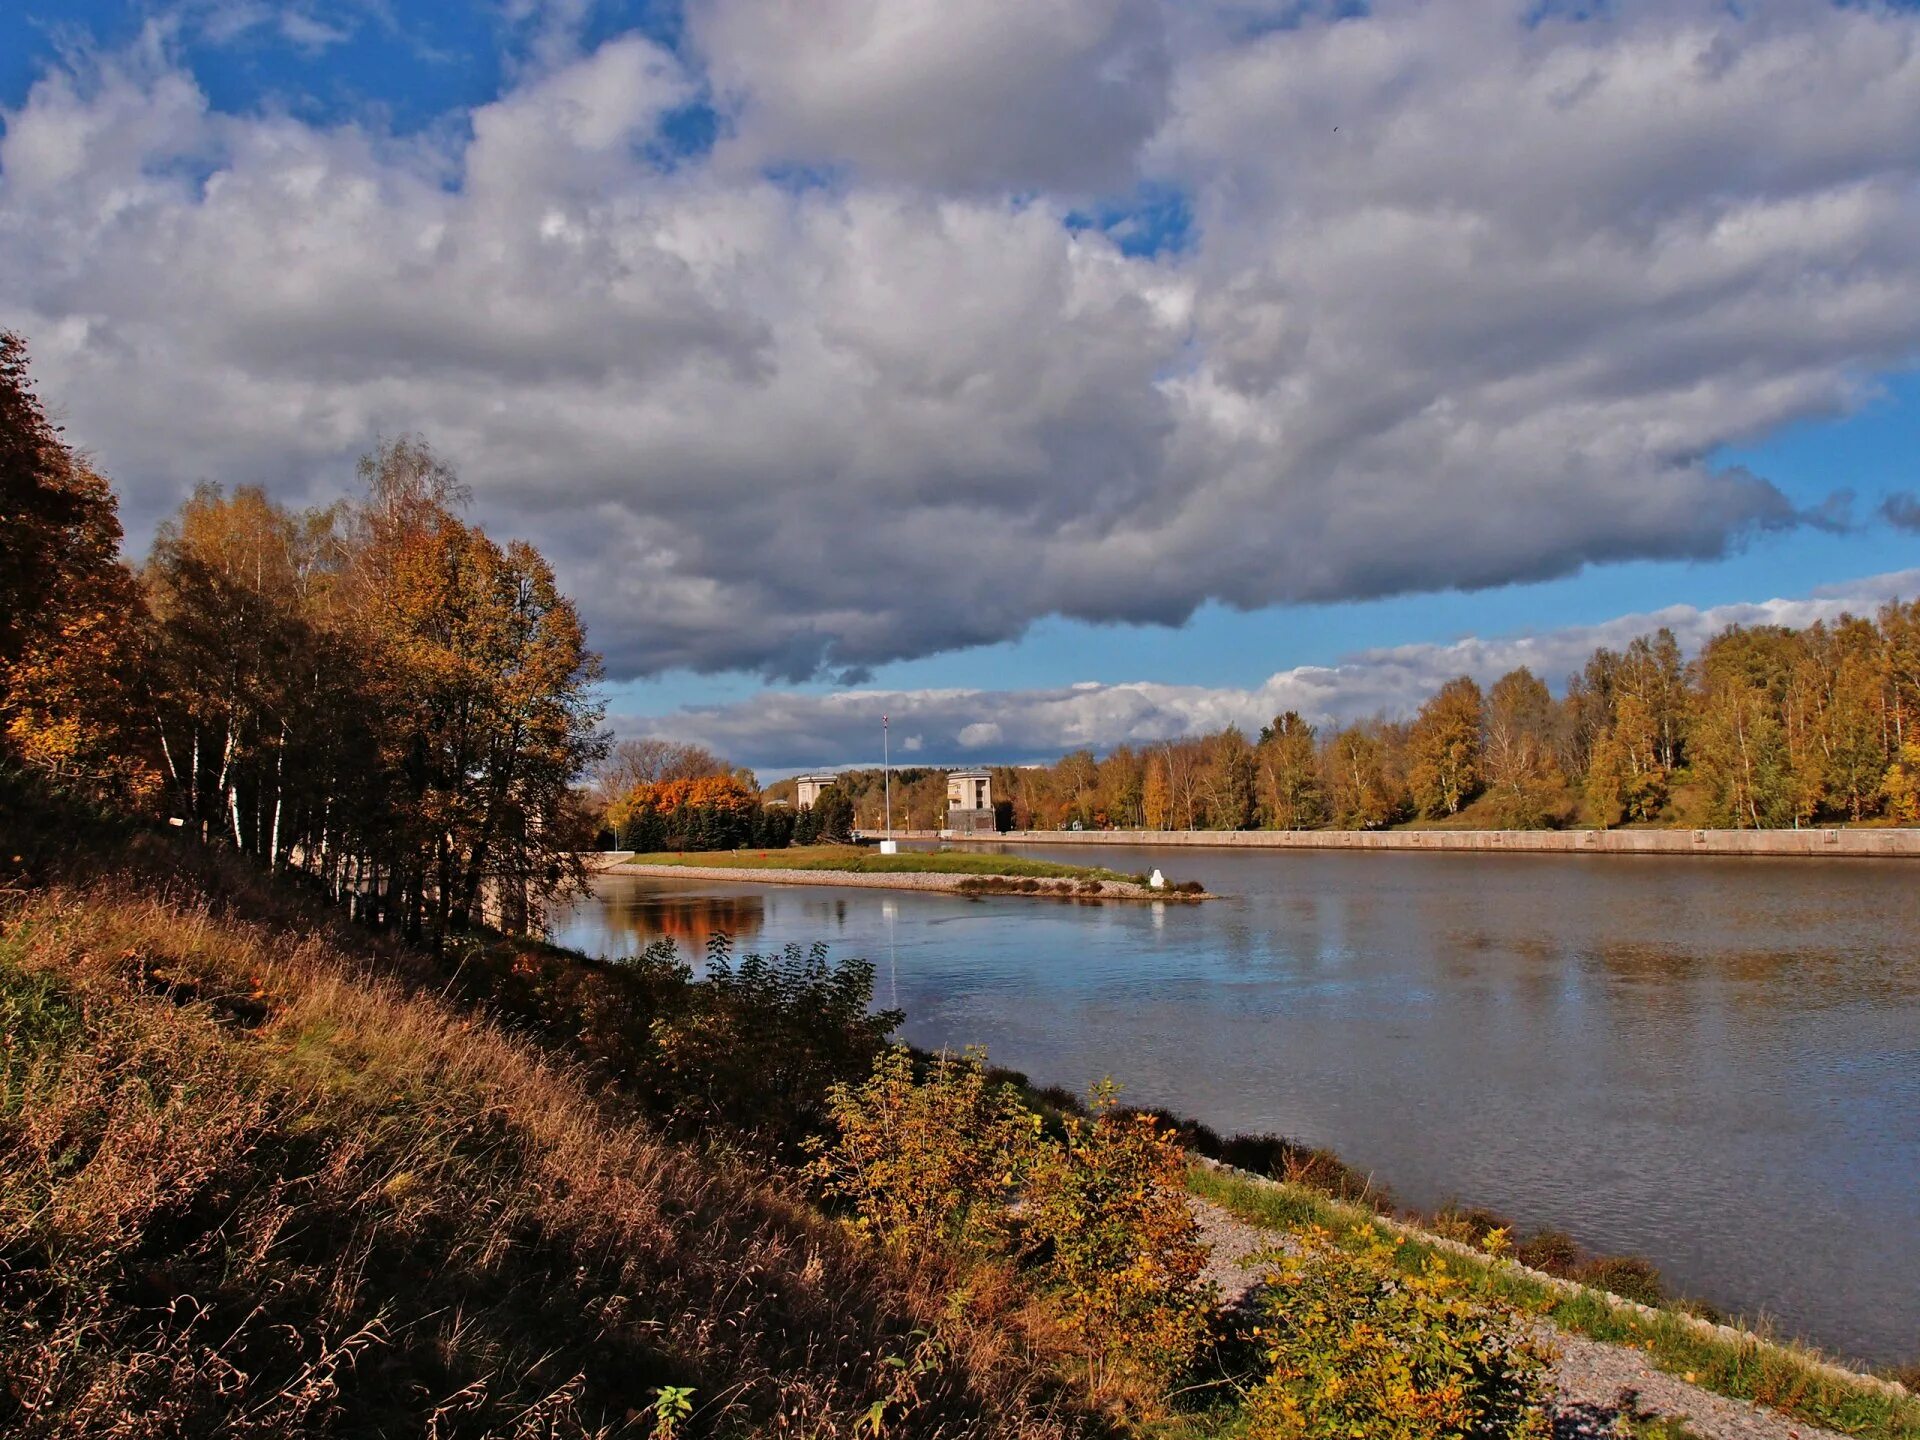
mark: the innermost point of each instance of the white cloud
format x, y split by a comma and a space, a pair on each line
787, 730
1492, 328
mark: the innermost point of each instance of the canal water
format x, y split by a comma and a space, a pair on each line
1714, 1063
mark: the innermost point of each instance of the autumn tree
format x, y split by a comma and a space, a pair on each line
1740, 742
1227, 780
1836, 716
1156, 795
70, 615
1361, 786
378, 694
650, 760
1290, 792
1122, 782
1444, 749
232, 655
1517, 754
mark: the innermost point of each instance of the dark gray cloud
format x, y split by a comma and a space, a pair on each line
785, 730
1902, 511
1491, 328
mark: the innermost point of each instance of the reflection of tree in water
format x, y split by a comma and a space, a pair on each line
688, 920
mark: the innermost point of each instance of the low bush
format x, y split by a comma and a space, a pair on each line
938, 1162
1275, 1157
1355, 1345
1124, 1251
1090, 1203
1552, 1251
754, 1045
1627, 1276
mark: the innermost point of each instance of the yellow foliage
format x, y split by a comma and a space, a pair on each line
1356, 1345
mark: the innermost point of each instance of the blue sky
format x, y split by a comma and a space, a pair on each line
1165, 309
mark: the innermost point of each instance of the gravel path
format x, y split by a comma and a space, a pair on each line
1595, 1383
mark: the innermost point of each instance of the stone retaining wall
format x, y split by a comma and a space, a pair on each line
1887, 843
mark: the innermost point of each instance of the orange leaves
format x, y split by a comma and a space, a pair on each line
703, 792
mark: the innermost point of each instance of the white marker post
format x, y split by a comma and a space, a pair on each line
887, 846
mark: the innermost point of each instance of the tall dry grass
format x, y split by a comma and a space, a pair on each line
257, 1177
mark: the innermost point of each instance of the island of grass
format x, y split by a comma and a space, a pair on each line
954, 871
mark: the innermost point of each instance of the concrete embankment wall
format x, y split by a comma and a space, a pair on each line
1849, 844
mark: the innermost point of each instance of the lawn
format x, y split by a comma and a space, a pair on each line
867, 860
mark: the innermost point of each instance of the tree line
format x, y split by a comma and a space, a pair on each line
1768, 727
653, 794
375, 695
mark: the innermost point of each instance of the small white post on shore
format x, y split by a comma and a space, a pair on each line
1156, 881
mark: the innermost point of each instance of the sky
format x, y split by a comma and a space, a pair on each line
1037, 372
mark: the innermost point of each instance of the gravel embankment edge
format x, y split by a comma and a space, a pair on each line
1594, 1380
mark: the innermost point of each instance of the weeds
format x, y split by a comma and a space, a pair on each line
1359, 1344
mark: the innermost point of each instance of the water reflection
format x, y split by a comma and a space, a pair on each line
628, 917
1714, 1063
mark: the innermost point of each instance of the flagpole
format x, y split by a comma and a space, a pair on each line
886, 771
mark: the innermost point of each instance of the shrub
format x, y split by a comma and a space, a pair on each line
1553, 1251
754, 1046
933, 1163
1627, 1276
758, 1043
1123, 1248
1356, 1346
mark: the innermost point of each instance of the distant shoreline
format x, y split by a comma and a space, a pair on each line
948, 884
1822, 843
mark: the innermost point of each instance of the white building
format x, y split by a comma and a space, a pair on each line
970, 803
807, 788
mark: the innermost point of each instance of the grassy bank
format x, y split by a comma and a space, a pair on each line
1782, 1377
262, 1174
866, 860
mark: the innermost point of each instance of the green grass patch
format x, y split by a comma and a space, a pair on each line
38, 1019
864, 860
1779, 1376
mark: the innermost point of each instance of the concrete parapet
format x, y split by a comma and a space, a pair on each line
1830, 843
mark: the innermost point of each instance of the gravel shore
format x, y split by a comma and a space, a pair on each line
1597, 1386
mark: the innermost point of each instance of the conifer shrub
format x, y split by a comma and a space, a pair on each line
1354, 1345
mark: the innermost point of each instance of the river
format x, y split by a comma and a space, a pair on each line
1712, 1063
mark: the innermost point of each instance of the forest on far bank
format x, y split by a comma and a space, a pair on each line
1767, 728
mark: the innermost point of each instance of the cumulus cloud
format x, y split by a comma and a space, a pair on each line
1472, 295
993, 94
785, 730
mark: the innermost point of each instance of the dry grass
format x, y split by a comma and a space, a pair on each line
256, 1178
